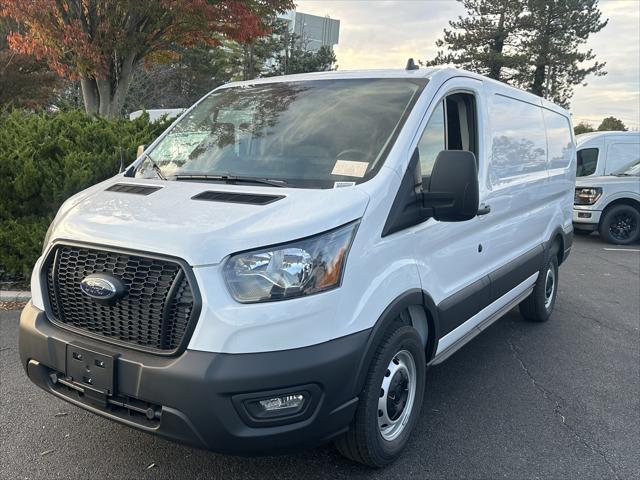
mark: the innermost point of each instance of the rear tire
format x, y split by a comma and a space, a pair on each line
538, 306
620, 225
390, 401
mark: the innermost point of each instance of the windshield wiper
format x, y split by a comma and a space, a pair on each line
155, 167
232, 179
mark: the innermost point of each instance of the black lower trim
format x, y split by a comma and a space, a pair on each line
515, 272
464, 304
587, 227
193, 394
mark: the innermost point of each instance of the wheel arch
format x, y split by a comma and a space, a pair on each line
627, 201
559, 243
619, 201
414, 307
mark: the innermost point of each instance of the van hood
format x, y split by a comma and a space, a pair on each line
169, 221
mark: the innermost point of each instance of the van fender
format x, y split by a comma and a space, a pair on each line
410, 298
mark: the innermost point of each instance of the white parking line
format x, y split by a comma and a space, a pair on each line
622, 249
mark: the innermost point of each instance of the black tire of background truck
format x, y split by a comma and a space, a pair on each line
364, 443
538, 306
620, 225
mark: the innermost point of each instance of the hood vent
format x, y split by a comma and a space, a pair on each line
232, 197
131, 188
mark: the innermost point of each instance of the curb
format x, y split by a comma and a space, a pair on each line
14, 296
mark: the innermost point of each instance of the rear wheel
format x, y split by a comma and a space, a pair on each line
620, 225
390, 402
538, 306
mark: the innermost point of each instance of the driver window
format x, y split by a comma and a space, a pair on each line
452, 126
432, 141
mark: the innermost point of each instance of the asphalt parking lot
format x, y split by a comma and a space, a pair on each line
521, 401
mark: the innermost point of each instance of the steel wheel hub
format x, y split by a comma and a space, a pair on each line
397, 395
549, 286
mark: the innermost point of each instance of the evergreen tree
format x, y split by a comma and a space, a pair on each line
532, 44
611, 124
554, 31
485, 40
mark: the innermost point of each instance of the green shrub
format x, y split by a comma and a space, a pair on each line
44, 159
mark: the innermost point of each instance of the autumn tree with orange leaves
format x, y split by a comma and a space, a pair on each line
100, 42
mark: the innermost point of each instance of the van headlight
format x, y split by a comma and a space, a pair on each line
587, 195
299, 268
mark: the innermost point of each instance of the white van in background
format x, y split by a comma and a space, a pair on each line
603, 153
278, 269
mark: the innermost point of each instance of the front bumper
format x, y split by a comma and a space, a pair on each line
194, 397
585, 218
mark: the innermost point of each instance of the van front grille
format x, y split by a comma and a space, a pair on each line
155, 313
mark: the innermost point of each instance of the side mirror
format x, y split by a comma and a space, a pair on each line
453, 191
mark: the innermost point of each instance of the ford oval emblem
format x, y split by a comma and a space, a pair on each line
101, 287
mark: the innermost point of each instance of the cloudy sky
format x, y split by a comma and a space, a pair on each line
382, 34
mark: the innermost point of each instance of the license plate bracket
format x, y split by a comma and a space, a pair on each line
91, 370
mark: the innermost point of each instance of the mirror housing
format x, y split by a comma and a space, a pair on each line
453, 193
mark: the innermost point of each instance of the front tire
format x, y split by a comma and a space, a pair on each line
620, 225
390, 402
538, 306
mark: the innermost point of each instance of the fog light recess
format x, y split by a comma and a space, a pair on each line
279, 406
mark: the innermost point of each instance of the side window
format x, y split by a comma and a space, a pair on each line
559, 143
452, 126
432, 141
621, 156
587, 162
518, 140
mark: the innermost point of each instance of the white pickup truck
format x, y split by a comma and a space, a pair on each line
609, 204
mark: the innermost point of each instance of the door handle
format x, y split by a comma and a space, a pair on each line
484, 209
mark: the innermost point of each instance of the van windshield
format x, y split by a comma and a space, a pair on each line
307, 134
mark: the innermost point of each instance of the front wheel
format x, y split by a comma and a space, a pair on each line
390, 402
620, 225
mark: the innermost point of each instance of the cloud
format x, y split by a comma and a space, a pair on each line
384, 34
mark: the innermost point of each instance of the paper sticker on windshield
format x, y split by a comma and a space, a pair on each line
350, 168
343, 184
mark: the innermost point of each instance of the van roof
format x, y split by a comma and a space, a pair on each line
586, 137
443, 73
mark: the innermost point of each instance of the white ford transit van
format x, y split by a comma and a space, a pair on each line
605, 153
278, 269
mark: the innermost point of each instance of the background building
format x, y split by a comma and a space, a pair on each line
314, 31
